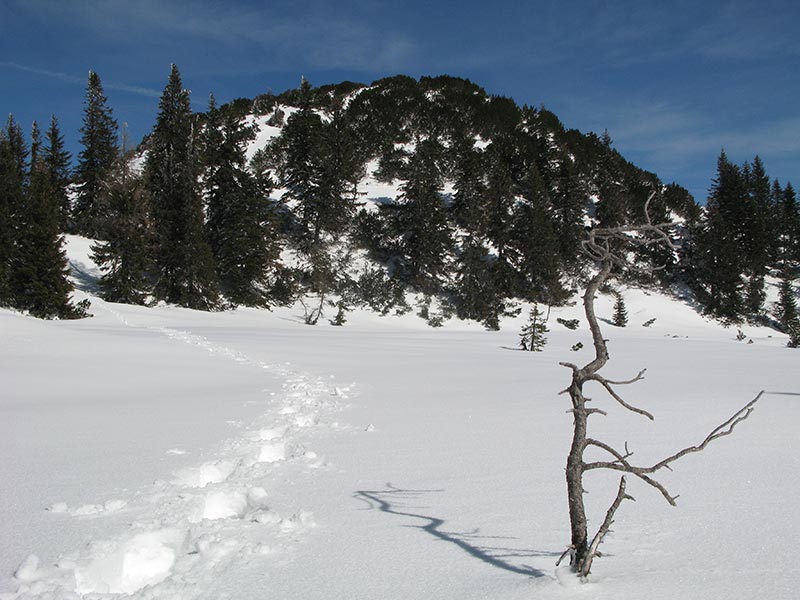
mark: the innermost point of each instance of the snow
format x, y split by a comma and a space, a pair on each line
265, 133
145, 559
28, 569
225, 505
271, 453
169, 453
377, 192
